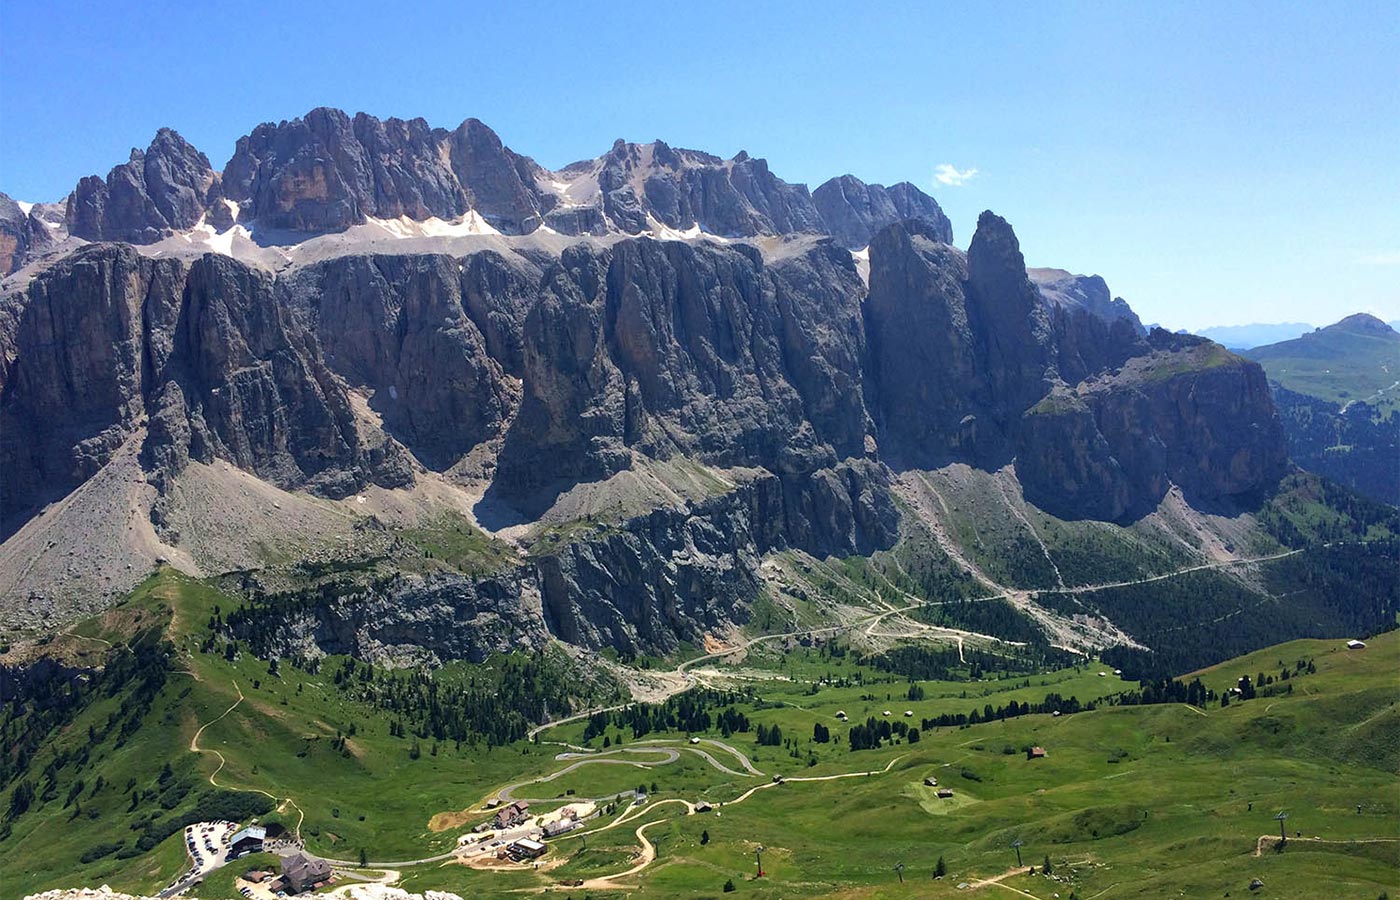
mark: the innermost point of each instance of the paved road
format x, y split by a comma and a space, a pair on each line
668, 755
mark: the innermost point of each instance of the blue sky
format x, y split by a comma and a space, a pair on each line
1218, 163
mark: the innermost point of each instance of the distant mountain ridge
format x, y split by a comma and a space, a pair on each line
1257, 334
1337, 390
1356, 359
328, 171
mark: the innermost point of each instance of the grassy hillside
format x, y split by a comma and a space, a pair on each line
1131, 801
293, 739
1356, 359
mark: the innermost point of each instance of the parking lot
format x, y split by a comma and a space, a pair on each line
207, 845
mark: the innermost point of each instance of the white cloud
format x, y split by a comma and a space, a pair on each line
951, 175
1391, 258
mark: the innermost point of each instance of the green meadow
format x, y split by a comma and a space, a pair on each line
1130, 801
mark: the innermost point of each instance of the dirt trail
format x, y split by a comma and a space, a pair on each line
282, 803
1274, 839
648, 852
996, 881
194, 740
646, 857
1018, 510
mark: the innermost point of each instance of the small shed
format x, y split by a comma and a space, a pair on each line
1035, 753
1356, 645
945, 793
930, 782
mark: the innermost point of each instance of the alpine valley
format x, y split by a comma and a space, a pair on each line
384, 478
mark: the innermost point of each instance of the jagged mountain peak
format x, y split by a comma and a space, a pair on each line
853, 210
328, 171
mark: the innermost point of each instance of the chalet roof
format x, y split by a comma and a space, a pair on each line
304, 869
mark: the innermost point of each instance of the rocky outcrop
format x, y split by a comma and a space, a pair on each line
399, 329
74, 392
164, 189
326, 172
707, 351
1089, 293
634, 188
407, 620
22, 235
1187, 412
852, 211
959, 343
539, 369
202, 356
644, 585
669, 576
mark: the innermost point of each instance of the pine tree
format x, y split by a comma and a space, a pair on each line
941, 869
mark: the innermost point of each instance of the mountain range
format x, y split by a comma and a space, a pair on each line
346, 485
1255, 334
619, 386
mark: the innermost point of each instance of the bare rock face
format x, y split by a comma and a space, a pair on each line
1090, 293
74, 392
852, 211
326, 172
398, 328
737, 197
668, 576
411, 619
1186, 412
971, 364
494, 180
164, 189
542, 369
929, 352
21, 235
203, 355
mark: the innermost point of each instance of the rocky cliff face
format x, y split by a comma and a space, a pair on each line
963, 337
165, 189
1187, 412
1089, 293
22, 234
534, 366
328, 171
203, 358
853, 211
